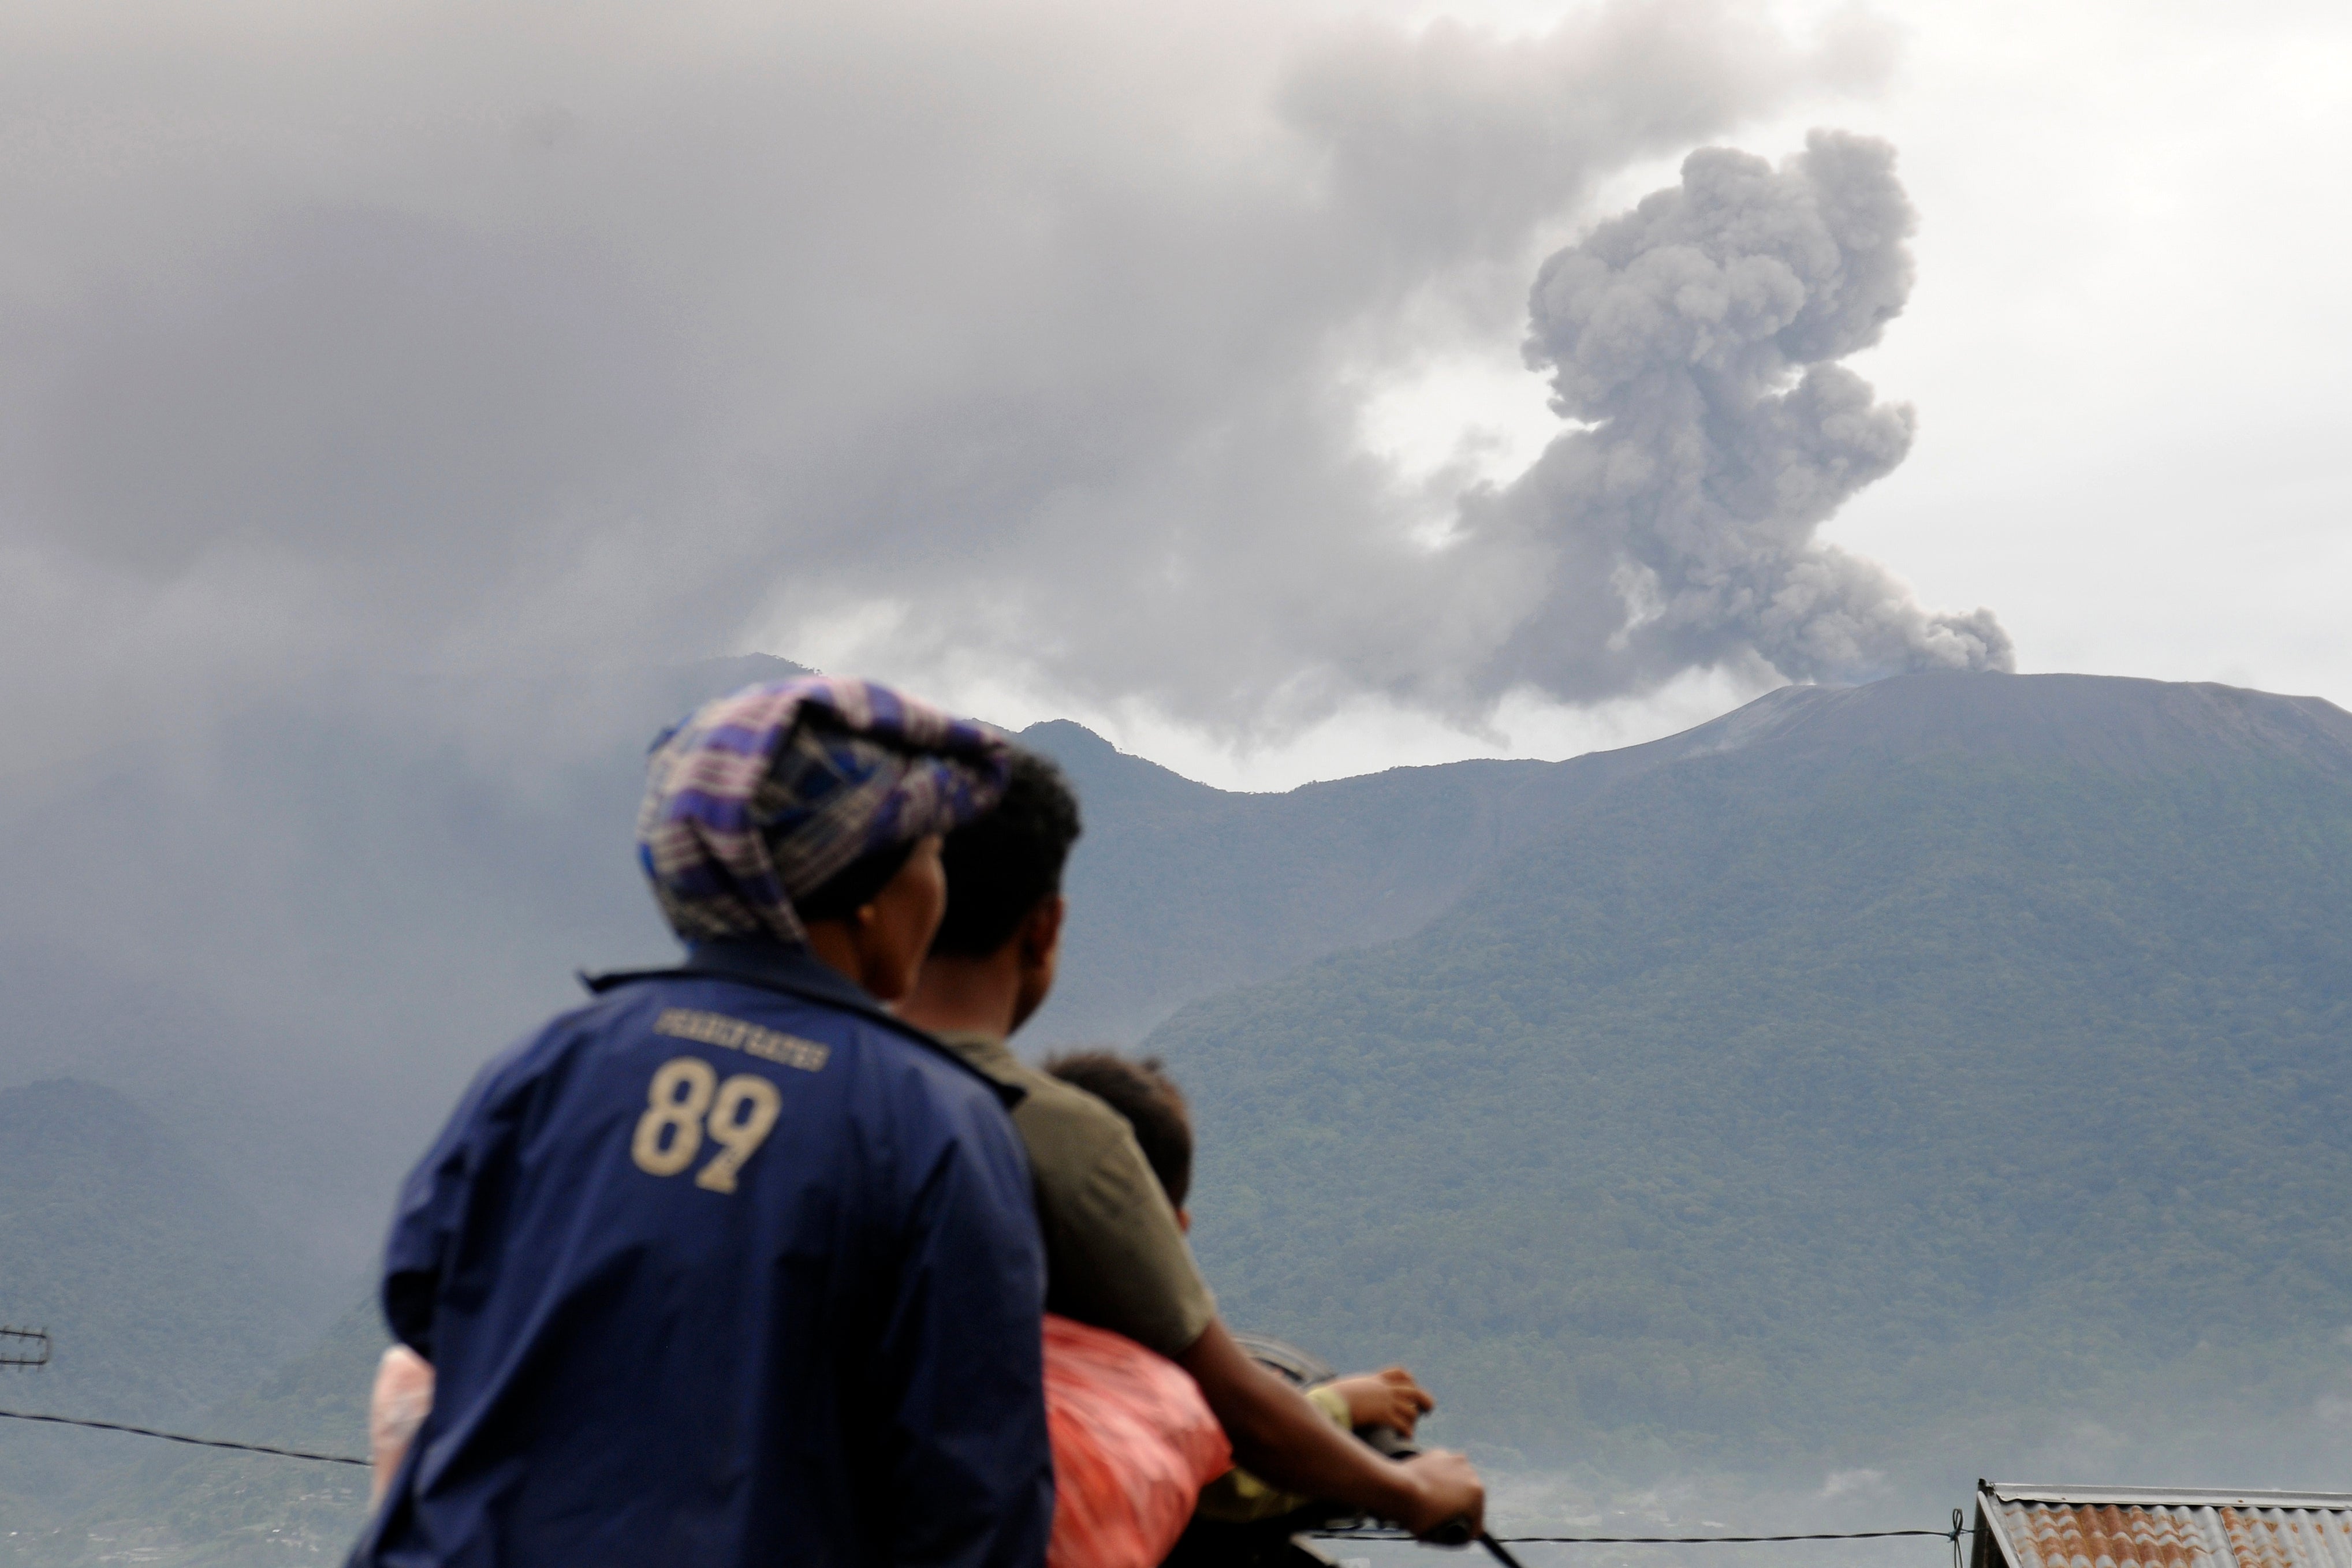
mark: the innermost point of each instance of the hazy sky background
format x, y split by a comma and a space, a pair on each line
1107, 363
394, 397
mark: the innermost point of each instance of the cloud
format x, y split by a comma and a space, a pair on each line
1021, 338
1852, 1483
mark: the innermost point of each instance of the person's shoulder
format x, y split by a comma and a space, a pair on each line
545, 1051
909, 1055
1072, 1121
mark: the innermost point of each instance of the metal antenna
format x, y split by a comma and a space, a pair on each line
24, 1347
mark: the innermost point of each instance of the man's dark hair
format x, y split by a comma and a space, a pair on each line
1141, 1092
1005, 864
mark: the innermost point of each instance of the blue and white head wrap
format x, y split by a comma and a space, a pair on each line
761, 796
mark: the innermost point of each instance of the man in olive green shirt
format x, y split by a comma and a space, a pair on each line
1115, 1256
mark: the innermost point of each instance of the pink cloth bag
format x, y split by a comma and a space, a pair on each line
1133, 1445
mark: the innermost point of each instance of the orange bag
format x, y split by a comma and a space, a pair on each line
1133, 1445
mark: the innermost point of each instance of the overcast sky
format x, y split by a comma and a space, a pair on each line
1174, 371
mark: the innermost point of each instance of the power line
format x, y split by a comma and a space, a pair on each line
1952, 1534
184, 1437
1653, 1539
1707, 1539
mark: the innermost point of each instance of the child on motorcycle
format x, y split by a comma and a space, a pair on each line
1142, 1091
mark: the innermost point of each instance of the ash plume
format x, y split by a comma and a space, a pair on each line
1697, 342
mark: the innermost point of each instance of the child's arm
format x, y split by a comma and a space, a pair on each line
1386, 1398
1277, 1433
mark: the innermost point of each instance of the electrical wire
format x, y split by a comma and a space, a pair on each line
1952, 1534
1651, 1540
184, 1437
1707, 1539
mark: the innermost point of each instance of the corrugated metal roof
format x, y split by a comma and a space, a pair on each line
2024, 1526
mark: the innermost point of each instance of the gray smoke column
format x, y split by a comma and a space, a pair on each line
1696, 339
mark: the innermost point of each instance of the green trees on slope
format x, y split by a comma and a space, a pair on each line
1790, 1105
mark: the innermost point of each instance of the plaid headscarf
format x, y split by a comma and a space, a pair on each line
760, 797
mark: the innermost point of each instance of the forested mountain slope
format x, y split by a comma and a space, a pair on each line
1955, 1054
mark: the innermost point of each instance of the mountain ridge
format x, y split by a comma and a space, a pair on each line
1478, 812
2112, 721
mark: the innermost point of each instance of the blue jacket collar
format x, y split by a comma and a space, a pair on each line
788, 967
791, 968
